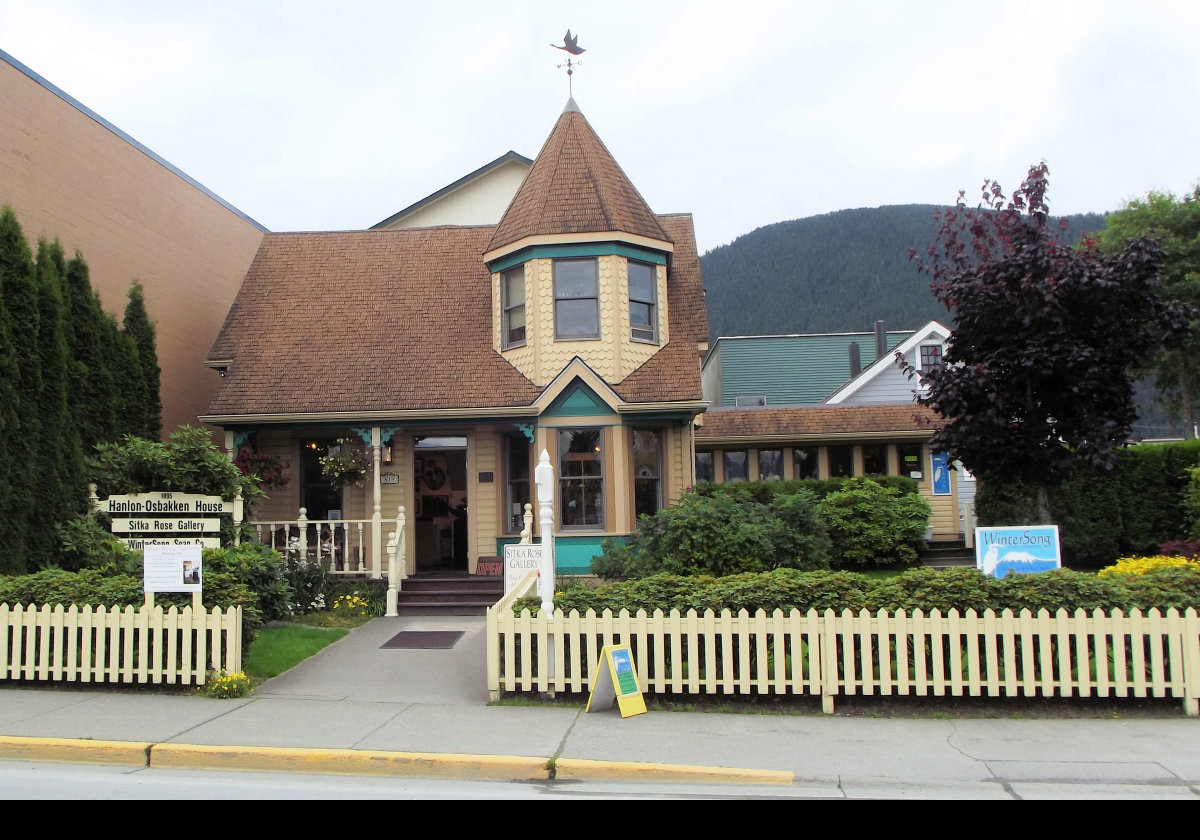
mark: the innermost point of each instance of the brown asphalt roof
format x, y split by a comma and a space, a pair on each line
575, 186
401, 320
814, 422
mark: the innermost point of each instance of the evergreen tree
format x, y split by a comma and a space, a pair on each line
89, 339
63, 487
22, 375
140, 329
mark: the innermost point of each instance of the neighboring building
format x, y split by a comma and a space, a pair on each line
70, 175
827, 406
479, 198
458, 354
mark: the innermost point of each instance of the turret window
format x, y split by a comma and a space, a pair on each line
576, 299
512, 293
643, 318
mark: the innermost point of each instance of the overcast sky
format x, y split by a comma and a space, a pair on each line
333, 116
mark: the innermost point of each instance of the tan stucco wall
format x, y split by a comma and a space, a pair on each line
69, 177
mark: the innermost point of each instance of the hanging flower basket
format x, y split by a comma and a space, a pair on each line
345, 464
266, 470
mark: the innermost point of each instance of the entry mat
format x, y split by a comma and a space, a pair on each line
427, 639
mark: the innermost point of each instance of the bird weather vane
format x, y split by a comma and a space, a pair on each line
571, 46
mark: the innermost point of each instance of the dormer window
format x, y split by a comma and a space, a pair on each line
512, 299
931, 357
576, 299
643, 316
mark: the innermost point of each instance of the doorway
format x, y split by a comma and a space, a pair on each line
440, 491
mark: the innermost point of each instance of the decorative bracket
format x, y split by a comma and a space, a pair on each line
241, 437
526, 429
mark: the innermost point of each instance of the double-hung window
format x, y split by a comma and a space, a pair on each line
581, 478
576, 299
512, 294
643, 315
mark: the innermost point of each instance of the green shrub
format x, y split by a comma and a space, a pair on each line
720, 534
86, 544
915, 589
870, 525
260, 568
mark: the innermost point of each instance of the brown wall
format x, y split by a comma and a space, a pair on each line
68, 176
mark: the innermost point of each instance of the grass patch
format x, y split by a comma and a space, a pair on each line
279, 647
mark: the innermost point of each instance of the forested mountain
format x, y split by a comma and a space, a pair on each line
842, 272
839, 272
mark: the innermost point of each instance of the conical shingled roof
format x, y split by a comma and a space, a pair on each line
574, 187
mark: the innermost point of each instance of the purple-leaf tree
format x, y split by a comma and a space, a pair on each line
1037, 372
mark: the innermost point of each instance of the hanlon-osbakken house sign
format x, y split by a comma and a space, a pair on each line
167, 519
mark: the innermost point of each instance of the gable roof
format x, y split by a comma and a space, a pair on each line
886, 364
575, 187
510, 158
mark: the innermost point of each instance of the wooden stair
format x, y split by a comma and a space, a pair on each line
947, 554
448, 593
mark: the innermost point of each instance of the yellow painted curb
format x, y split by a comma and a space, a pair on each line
581, 768
74, 750
350, 762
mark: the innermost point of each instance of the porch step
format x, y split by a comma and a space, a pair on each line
448, 593
947, 554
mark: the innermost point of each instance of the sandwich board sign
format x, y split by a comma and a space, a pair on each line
617, 680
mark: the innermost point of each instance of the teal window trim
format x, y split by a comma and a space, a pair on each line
586, 249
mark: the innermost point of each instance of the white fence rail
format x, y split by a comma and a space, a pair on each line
118, 644
1026, 654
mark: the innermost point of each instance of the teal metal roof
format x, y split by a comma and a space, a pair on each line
791, 369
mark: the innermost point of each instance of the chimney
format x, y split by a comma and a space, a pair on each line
880, 339
855, 363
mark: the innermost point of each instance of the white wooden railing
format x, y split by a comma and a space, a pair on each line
118, 644
344, 546
1151, 654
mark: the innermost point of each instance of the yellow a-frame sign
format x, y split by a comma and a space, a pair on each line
617, 678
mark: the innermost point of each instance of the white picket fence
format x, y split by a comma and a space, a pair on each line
1087, 655
118, 644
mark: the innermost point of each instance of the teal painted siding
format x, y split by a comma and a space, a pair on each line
587, 249
572, 555
792, 370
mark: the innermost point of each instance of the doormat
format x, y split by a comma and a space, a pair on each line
423, 639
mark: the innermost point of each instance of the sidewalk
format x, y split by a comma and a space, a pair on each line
360, 707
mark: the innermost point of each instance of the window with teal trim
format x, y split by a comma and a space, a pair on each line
576, 299
581, 478
643, 318
512, 299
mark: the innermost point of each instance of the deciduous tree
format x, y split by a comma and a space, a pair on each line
1175, 223
1037, 373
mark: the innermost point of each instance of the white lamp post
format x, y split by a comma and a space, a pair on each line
544, 478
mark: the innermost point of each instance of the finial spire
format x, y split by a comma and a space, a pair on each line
571, 46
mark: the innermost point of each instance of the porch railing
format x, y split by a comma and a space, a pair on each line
344, 546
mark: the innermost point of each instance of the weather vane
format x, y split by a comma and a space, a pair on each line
569, 45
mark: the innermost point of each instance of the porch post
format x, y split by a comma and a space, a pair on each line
544, 477
376, 515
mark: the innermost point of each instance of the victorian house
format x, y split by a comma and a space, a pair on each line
452, 357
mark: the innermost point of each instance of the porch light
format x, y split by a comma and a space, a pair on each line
387, 454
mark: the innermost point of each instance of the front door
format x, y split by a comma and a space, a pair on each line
440, 485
